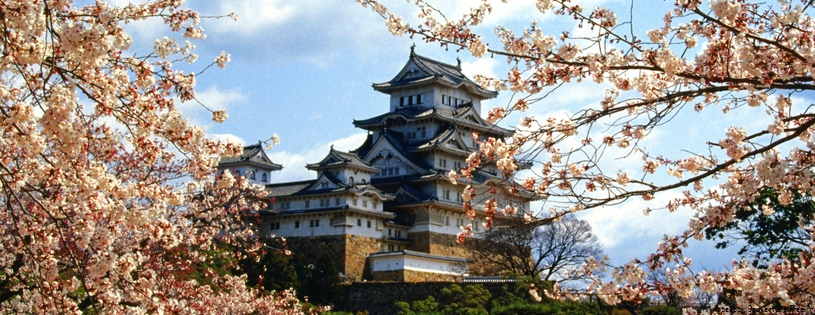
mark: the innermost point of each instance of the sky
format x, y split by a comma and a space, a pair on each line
304, 69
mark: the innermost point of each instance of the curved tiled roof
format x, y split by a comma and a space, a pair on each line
433, 72
337, 158
252, 155
459, 117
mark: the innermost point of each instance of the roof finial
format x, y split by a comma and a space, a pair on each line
332, 147
459, 63
411, 49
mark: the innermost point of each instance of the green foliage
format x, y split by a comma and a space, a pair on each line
467, 300
319, 281
425, 306
549, 308
660, 310
274, 268
518, 292
403, 308
767, 237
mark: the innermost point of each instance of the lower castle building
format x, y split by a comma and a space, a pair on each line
387, 210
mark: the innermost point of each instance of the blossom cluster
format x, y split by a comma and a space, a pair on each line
92, 147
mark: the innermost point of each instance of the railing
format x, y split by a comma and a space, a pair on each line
495, 279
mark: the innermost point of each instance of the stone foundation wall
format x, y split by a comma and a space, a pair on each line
418, 276
414, 276
348, 252
437, 244
379, 297
357, 250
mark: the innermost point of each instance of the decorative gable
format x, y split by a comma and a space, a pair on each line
386, 156
411, 71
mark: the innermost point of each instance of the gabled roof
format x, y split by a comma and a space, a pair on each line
339, 159
421, 70
447, 140
310, 187
252, 155
464, 116
342, 208
393, 143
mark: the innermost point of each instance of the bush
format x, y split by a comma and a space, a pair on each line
660, 310
546, 308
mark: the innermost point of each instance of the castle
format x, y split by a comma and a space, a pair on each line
387, 210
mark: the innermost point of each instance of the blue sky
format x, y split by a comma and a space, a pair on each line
304, 69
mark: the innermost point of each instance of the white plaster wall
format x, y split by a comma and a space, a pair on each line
427, 97
457, 93
422, 264
362, 228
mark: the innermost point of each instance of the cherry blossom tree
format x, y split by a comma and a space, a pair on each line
721, 57
92, 144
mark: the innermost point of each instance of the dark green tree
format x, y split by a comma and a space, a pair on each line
319, 281
765, 236
271, 269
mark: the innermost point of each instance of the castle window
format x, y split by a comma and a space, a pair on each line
274, 226
336, 201
237, 173
263, 177
324, 185
447, 220
251, 175
422, 131
354, 201
389, 232
307, 203
458, 197
314, 223
359, 222
375, 204
296, 224
390, 247
365, 203
351, 181
443, 163
369, 224
446, 194
457, 166
398, 233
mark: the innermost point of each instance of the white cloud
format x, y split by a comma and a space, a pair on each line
626, 226
227, 137
482, 66
213, 98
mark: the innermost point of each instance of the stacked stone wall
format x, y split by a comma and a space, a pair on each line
414, 276
437, 244
380, 297
356, 253
348, 252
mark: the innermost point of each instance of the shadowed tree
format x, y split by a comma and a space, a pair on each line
548, 252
